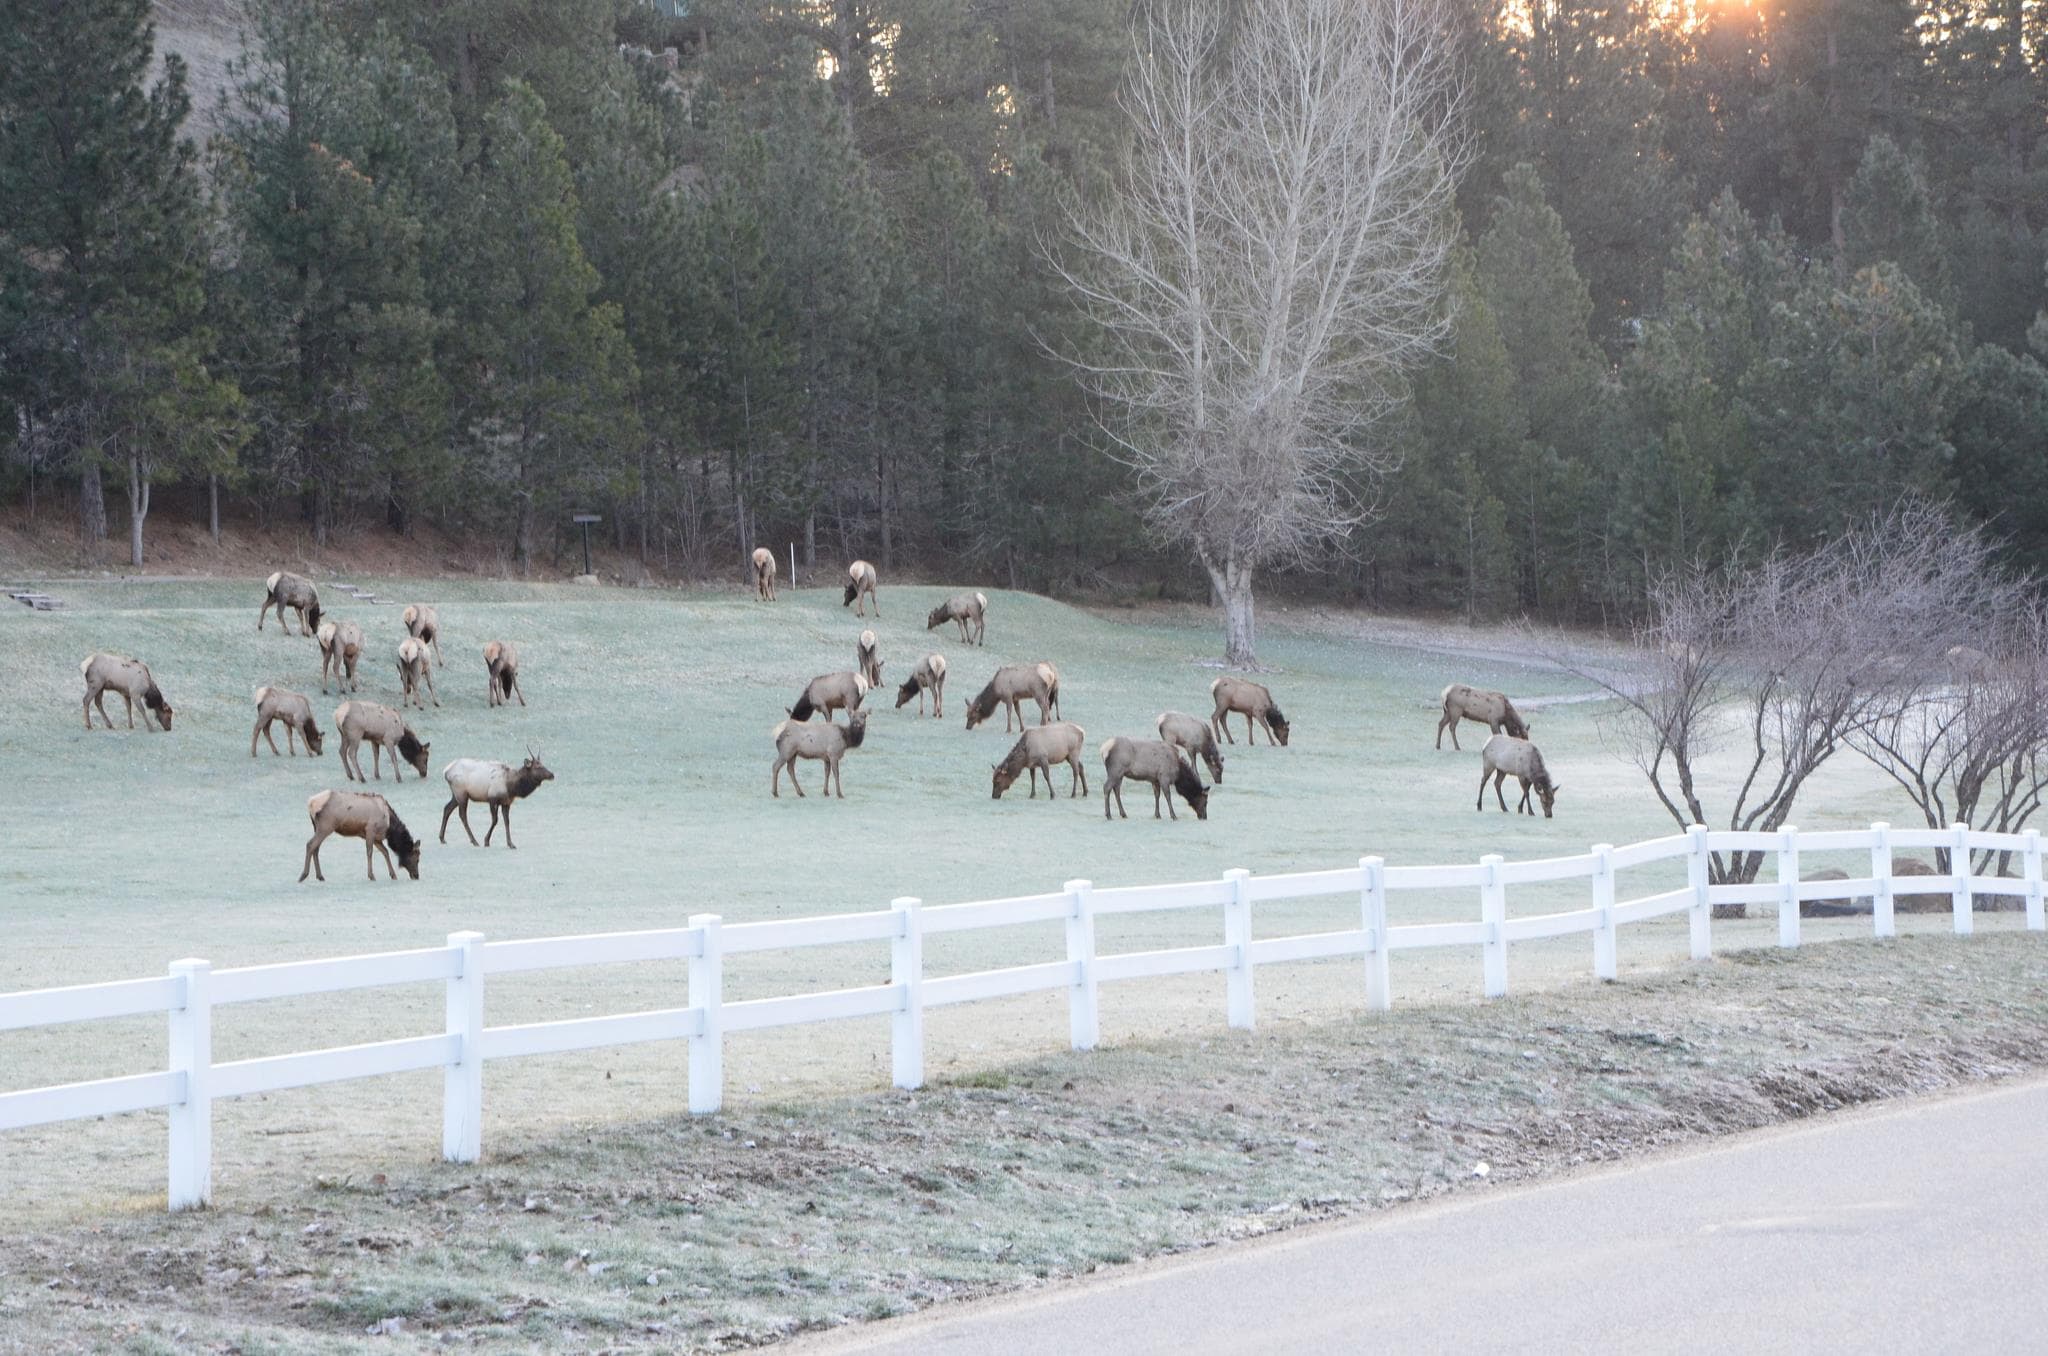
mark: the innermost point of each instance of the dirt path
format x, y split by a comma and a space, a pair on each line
741, 1228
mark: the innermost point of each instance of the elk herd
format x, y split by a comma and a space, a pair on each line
364, 814
1172, 764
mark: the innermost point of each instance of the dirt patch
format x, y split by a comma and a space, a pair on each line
712, 1233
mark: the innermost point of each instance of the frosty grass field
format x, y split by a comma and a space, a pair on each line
124, 851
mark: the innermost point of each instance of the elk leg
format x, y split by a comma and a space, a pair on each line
1484, 773
834, 772
447, 810
775, 779
377, 760
1077, 785
389, 869
508, 826
1105, 800
517, 690
1155, 800
1522, 806
492, 827
464, 809
313, 856
265, 612
1219, 726
792, 777
1500, 776
427, 672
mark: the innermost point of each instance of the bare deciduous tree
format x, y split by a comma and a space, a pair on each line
1269, 265
1796, 657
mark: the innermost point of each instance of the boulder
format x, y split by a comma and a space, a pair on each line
1841, 907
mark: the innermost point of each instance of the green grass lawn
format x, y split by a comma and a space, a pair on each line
126, 850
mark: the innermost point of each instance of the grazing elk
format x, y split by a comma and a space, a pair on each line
1967, 663
764, 574
129, 677
501, 663
1250, 699
423, 624
929, 675
829, 692
385, 729
275, 704
415, 670
1154, 761
1051, 677
287, 590
867, 658
1506, 756
860, 588
341, 644
495, 784
1491, 709
1192, 735
365, 815
1036, 751
828, 743
969, 610
1008, 689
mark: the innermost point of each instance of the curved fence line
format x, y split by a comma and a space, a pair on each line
187, 995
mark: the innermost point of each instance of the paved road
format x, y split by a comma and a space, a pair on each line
1919, 1228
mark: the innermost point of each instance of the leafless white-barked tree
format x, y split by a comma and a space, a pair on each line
1270, 262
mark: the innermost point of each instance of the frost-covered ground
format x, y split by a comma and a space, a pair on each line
124, 851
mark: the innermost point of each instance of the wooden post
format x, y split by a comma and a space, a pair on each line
1084, 1026
1883, 919
1698, 873
1372, 905
462, 1083
1493, 912
906, 972
1788, 887
191, 1048
707, 996
2031, 856
1237, 934
1603, 904
1960, 900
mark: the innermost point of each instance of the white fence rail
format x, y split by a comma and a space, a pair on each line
192, 989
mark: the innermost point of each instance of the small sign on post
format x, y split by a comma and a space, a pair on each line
584, 520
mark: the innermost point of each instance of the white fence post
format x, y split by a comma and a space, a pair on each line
1372, 904
191, 1045
906, 972
1493, 912
707, 996
2031, 856
1603, 904
1959, 866
462, 1083
1237, 934
1084, 1024
1788, 886
1882, 918
1697, 874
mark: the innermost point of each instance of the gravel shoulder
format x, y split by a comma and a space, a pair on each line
744, 1228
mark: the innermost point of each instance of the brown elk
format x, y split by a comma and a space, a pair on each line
867, 659
1192, 735
384, 728
287, 590
423, 624
365, 815
501, 664
341, 644
1253, 702
827, 743
1491, 709
968, 610
929, 675
496, 785
1051, 677
275, 704
764, 574
860, 588
1036, 751
1154, 761
1008, 689
129, 677
1506, 756
829, 692
415, 671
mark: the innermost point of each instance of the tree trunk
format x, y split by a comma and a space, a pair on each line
92, 506
522, 537
138, 508
213, 507
810, 542
1233, 583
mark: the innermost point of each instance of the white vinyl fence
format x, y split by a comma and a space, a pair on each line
192, 989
